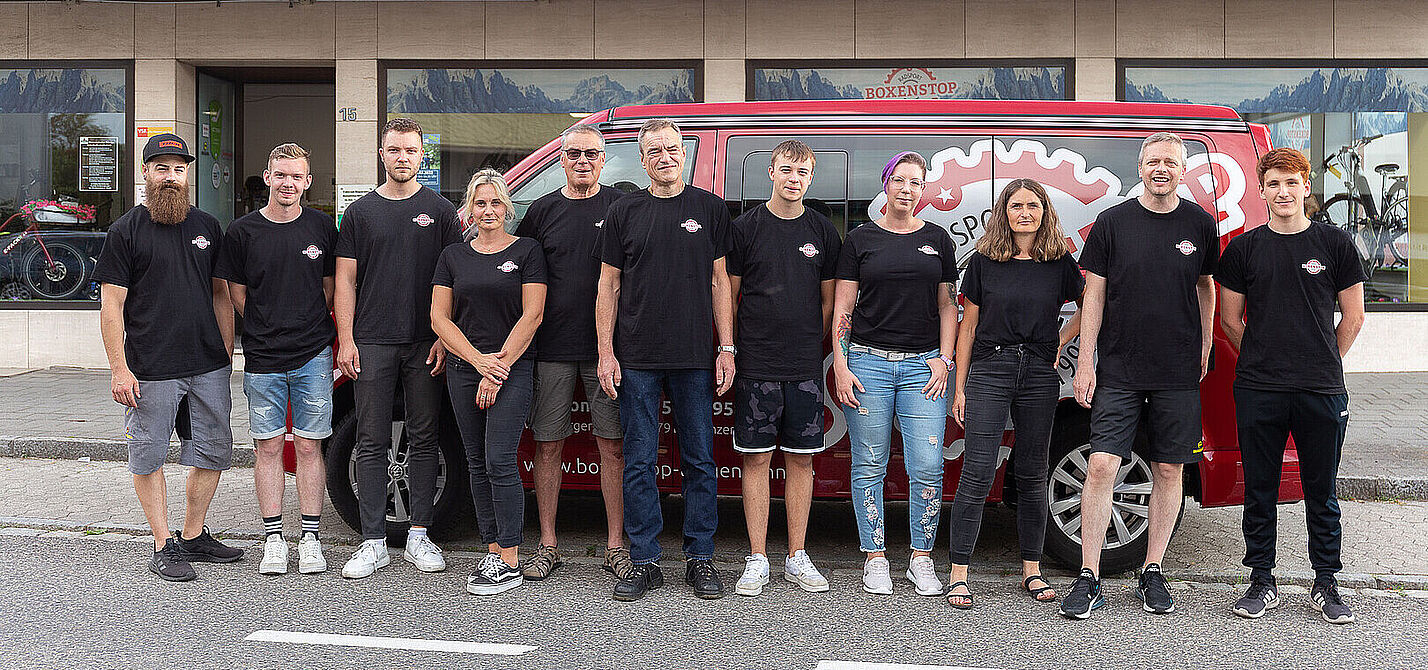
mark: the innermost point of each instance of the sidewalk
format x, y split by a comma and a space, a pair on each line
68, 413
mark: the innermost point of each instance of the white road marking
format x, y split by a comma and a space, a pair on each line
372, 641
859, 665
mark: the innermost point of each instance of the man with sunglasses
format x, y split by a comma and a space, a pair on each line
566, 222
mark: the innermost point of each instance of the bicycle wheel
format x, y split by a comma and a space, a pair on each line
1395, 223
58, 276
1348, 212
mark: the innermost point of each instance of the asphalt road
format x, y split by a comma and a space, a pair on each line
67, 603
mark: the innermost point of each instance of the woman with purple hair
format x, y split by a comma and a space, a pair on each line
893, 320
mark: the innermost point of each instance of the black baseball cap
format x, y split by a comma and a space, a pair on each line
166, 144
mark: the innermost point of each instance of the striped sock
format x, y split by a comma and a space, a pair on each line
273, 525
310, 523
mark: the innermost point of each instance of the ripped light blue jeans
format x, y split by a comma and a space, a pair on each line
893, 390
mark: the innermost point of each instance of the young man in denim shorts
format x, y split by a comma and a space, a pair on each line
168, 332
279, 265
781, 262
566, 222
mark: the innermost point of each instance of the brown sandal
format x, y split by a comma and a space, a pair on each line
1037, 593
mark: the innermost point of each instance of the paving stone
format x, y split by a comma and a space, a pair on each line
1419, 594
63, 533
21, 532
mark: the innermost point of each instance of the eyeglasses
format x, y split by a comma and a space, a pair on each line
589, 154
900, 182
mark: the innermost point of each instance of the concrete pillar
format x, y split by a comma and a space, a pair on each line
724, 80
356, 121
165, 92
1095, 79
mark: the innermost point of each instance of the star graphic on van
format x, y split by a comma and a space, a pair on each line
944, 195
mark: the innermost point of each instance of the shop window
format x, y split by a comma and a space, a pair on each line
911, 80
1365, 131
64, 177
494, 117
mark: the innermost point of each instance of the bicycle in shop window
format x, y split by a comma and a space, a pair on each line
51, 264
1379, 229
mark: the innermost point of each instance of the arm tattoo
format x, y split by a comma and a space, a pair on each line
842, 331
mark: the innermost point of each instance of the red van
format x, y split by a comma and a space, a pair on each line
1084, 152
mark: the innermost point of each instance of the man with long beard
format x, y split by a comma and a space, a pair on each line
168, 331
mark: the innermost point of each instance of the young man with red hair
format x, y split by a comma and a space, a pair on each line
1288, 276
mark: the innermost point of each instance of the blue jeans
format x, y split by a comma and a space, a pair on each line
893, 390
308, 390
691, 393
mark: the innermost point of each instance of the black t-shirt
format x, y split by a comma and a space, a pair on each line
665, 249
1019, 301
898, 275
782, 264
485, 288
1150, 328
396, 244
566, 230
170, 330
285, 317
1291, 284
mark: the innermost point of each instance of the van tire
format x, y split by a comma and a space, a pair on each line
453, 499
1070, 444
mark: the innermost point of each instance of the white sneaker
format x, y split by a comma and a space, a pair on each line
425, 555
923, 576
310, 559
756, 574
275, 556
798, 569
370, 556
877, 576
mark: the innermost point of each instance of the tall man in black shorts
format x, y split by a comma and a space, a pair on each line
1149, 305
781, 261
168, 332
386, 252
1289, 380
566, 223
279, 266
662, 281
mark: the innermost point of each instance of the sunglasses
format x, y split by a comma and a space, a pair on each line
589, 154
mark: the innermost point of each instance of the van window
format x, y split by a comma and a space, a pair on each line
623, 171
855, 160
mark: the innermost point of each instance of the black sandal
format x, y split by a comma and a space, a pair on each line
1036, 593
967, 596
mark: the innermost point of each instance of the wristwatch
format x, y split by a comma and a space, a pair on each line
729, 348
946, 361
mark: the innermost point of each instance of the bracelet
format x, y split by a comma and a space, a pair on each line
946, 361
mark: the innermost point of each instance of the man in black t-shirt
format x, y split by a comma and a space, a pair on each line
566, 223
168, 333
1288, 276
386, 252
1149, 305
279, 265
661, 250
781, 261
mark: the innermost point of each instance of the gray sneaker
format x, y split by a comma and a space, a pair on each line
1325, 598
1261, 597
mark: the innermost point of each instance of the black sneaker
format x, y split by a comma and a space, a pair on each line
1261, 597
700, 573
1083, 597
169, 564
205, 549
640, 579
1152, 592
492, 576
1325, 598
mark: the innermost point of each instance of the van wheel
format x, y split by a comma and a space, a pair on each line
453, 498
1128, 535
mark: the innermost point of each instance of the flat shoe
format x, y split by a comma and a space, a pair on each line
1036, 593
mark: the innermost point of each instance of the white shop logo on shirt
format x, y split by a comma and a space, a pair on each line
691, 225
809, 250
201, 242
927, 249
423, 220
1314, 267
312, 251
1186, 247
508, 266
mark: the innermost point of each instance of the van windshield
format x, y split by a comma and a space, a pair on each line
623, 171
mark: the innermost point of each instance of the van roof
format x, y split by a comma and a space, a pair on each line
870, 113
